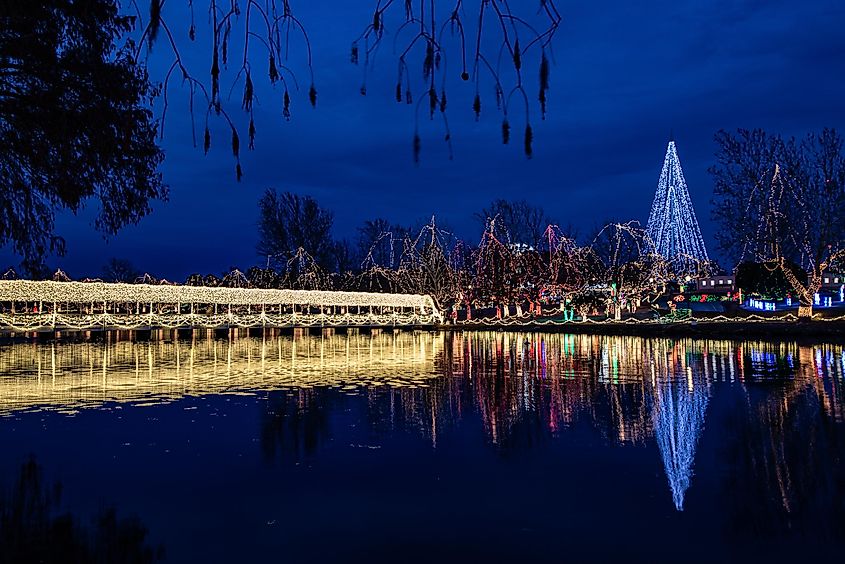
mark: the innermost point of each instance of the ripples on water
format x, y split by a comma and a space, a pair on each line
780, 416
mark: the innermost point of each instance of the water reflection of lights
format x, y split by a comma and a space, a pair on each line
70, 376
631, 390
678, 416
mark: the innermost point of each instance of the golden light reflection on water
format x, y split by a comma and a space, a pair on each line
70, 376
571, 369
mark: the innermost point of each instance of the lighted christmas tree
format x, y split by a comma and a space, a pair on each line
672, 225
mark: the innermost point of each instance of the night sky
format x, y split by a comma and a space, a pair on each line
625, 74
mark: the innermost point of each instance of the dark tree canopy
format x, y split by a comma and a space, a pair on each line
75, 123
120, 270
766, 280
289, 223
517, 221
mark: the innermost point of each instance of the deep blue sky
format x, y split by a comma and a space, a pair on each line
625, 74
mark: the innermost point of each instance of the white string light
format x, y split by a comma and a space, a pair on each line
98, 292
132, 307
672, 225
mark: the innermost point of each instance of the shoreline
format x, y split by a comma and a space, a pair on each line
697, 328
832, 330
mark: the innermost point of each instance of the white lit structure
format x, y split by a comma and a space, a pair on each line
672, 225
37, 305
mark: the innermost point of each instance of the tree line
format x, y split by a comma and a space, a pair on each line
779, 203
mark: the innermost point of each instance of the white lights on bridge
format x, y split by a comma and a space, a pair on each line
99, 292
47, 305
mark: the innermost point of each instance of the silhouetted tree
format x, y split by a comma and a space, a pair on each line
75, 123
289, 222
520, 221
380, 243
344, 258
120, 270
32, 529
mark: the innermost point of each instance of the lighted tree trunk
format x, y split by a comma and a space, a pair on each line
805, 311
806, 293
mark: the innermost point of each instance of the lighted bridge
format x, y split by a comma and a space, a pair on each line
27, 305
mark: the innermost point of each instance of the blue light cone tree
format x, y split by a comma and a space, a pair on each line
672, 225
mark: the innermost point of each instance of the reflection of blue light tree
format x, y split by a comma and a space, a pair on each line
678, 416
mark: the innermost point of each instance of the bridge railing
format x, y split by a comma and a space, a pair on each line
48, 321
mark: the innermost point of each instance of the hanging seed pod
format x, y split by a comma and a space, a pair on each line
432, 102
416, 148
542, 99
155, 22
251, 134
437, 60
377, 22
354, 54
363, 90
286, 107
506, 132
409, 99
248, 93
215, 74
206, 141
192, 32
274, 72
428, 62
442, 101
238, 172
465, 76
312, 96
476, 106
517, 56
500, 97
236, 143
399, 92
529, 139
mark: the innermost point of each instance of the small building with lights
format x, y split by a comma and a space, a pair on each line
720, 284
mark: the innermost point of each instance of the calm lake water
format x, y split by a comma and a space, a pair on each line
422, 447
